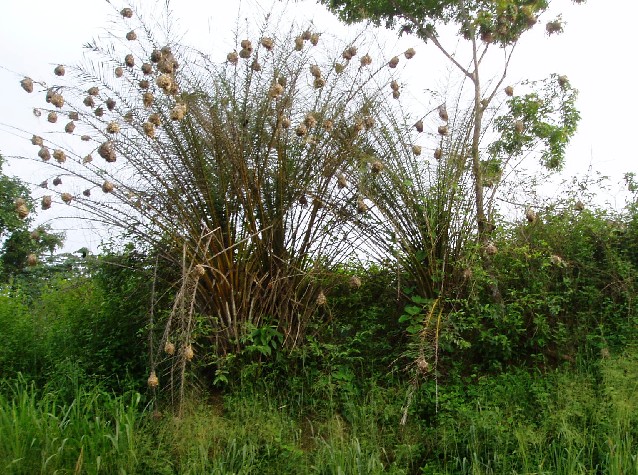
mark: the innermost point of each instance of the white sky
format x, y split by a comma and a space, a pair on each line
594, 52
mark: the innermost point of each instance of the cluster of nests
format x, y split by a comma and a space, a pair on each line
162, 64
169, 348
442, 130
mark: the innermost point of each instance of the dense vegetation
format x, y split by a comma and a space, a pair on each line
296, 288
542, 382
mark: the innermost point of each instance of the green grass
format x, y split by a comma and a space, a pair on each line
580, 420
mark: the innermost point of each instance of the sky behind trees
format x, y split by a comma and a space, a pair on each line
594, 52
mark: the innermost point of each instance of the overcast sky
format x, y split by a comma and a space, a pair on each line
594, 52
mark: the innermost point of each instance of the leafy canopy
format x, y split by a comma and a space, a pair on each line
498, 21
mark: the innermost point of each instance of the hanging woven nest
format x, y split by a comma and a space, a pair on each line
443, 130
319, 83
107, 187
99, 112
32, 260
113, 128
349, 53
57, 100
110, 104
255, 66
377, 167
314, 39
419, 126
189, 353
245, 53
59, 156
169, 348
57, 181
144, 84
44, 184
119, 71
164, 82
147, 99
89, 101
301, 130
87, 159
59, 70
396, 94
579, 206
178, 112
438, 153
443, 113
416, 150
394, 85
362, 207
129, 60
22, 210
366, 60
149, 129
509, 91
275, 90
107, 151
52, 117
268, 43
354, 282
341, 181
46, 202
519, 126
491, 249
37, 112
310, 121
67, 197
87, 192
155, 119
409, 53
85, 138
298, 43
131, 35
315, 71
126, 13
27, 84
339, 68
530, 215
153, 380
285, 123
37, 140
321, 299
563, 81
70, 127
44, 154
246, 44
394, 62
74, 115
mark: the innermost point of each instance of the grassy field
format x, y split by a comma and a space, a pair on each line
580, 419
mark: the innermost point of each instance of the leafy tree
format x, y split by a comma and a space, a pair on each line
20, 246
485, 25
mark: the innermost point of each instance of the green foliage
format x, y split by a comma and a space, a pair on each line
502, 22
548, 116
565, 283
94, 432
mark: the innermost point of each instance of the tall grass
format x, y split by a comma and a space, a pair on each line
567, 421
92, 432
